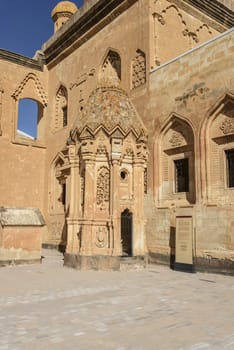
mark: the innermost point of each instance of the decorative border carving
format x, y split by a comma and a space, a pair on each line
61, 93
39, 88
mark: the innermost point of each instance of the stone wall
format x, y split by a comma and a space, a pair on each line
191, 89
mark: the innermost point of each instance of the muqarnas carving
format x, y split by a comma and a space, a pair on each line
138, 69
103, 188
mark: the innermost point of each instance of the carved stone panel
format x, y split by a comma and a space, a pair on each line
101, 237
138, 69
227, 126
103, 188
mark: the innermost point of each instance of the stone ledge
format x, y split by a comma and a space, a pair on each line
83, 25
98, 262
211, 265
104, 263
215, 9
214, 265
10, 216
4, 263
20, 60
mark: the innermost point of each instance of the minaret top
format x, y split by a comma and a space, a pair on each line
62, 12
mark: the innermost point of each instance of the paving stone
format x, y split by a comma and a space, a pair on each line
51, 307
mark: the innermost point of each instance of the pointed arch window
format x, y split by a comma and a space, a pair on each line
61, 113
30, 113
111, 69
177, 165
230, 167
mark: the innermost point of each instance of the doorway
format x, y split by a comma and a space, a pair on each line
126, 232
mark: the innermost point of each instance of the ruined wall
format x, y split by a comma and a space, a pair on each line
191, 99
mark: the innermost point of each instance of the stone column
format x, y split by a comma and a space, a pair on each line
89, 190
139, 245
114, 209
138, 214
73, 243
116, 151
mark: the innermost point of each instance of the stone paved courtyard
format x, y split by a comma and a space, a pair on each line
48, 306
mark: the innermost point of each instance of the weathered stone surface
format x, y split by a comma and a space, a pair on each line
21, 217
131, 95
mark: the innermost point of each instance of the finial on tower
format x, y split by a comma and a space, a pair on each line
62, 12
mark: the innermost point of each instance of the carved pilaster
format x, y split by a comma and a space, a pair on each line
89, 190
73, 242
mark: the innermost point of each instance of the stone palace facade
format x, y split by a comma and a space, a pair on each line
134, 148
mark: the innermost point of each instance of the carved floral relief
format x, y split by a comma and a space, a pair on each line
103, 189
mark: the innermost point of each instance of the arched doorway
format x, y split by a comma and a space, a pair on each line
126, 232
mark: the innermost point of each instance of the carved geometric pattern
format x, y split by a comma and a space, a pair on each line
176, 139
227, 126
103, 188
38, 85
61, 106
138, 69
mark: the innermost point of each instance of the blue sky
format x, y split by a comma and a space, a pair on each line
24, 26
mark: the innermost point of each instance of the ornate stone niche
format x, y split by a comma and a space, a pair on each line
60, 172
111, 155
218, 135
61, 109
177, 162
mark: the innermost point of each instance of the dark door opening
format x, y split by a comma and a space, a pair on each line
126, 232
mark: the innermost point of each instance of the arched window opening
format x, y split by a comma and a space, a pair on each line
30, 113
218, 131
177, 167
61, 114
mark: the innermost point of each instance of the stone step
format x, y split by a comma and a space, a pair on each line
132, 263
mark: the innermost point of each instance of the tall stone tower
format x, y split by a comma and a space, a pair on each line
62, 12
